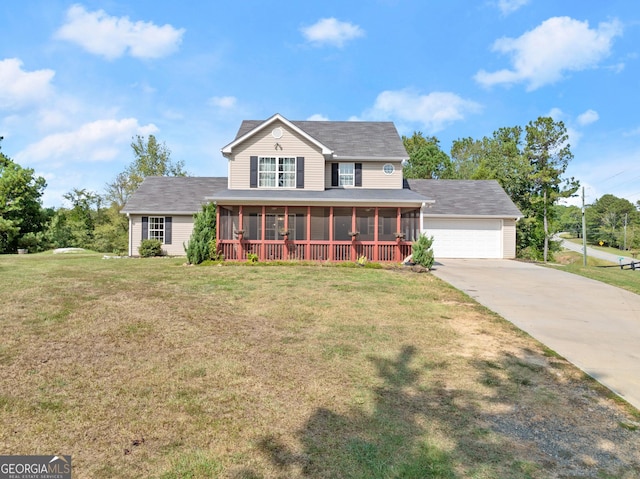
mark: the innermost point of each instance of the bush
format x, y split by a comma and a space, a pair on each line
150, 247
422, 252
33, 242
204, 232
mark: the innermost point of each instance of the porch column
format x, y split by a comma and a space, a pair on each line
331, 244
307, 247
398, 227
354, 253
376, 246
264, 225
217, 225
240, 227
285, 250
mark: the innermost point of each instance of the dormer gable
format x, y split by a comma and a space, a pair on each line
227, 150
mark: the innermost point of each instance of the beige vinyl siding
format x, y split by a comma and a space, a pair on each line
509, 239
181, 228
263, 144
372, 174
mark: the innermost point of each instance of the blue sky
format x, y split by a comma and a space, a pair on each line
79, 80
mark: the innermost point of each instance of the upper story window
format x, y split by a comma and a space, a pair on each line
276, 172
156, 228
346, 174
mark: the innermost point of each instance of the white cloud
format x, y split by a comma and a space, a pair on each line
434, 111
96, 141
317, 117
332, 32
542, 55
588, 117
19, 88
224, 102
112, 37
556, 113
510, 6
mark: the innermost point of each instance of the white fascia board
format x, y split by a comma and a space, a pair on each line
227, 150
471, 217
160, 213
369, 158
270, 201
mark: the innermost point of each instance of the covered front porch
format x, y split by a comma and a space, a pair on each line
317, 233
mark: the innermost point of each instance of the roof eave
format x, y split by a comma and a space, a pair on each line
370, 158
478, 216
270, 201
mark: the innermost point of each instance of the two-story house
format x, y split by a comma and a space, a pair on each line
319, 191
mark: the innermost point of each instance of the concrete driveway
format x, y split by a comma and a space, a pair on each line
593, 325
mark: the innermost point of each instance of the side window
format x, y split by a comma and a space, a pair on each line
156, 228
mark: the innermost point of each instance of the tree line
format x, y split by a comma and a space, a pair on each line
92, 220
529, 163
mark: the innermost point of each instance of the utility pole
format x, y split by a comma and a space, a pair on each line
625, 231
584, 233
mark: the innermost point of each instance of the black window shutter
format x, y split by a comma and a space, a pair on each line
253, 172
167, 230
334, 174
300, 172
145, 227
358, 175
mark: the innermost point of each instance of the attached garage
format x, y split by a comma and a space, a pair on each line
465, 238
469, 218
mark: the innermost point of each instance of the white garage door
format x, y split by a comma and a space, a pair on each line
465, 238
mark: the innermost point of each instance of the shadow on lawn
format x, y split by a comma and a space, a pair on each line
389, 441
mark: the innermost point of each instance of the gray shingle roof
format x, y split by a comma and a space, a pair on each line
186, 195
466, 198
360, 139
173, 194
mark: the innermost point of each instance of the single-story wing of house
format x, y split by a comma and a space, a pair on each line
324, 191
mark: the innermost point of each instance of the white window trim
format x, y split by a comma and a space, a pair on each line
155, 228
342, 176
278, 175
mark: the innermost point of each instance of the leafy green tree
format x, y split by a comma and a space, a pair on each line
21, 209
606, 220
498, 157
569, 219
110, 234
548, 152
204, 233
150, 159
530, 170
426, 159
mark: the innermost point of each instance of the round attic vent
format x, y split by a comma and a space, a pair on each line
277, 133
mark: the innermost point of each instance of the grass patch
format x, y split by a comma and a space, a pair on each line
300, 370
626, 279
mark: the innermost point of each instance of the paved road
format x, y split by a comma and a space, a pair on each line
613, 258
592, 324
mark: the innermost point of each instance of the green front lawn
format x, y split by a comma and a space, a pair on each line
150, 368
